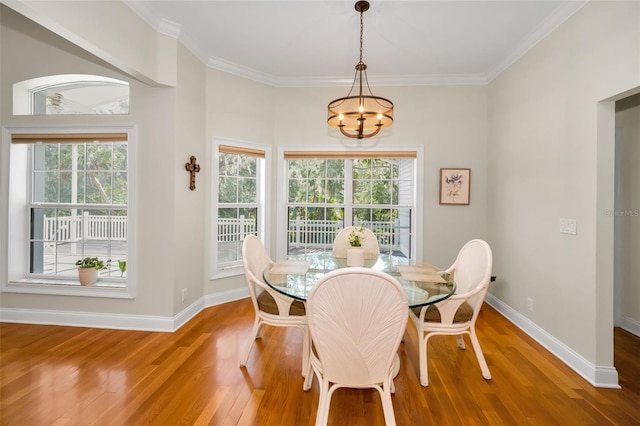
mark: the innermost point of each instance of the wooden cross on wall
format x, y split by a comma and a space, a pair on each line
192, 168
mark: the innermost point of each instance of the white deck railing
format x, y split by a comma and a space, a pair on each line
315, 234
234, 230
321, 233
89, 227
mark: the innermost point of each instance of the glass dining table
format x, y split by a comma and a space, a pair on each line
296, 275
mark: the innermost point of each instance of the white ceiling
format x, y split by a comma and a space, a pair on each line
295, 43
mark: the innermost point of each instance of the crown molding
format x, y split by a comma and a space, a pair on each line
169, 28
345, 81
242, 71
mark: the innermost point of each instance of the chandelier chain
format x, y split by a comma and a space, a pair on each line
361, 32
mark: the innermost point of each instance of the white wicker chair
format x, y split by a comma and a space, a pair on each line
356, 318
457, 315
271, 307
370, 243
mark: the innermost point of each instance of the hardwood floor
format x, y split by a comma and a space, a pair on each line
65, 375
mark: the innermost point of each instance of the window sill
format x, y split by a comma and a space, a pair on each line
103, 288
230, 271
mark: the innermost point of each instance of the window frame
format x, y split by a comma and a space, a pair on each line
282, 185
16, 202
263, 176
29, 96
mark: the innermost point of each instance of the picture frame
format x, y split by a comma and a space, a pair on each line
455, 186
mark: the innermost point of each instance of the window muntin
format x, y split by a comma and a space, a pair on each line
239, 205
16, 159
78, 206
316, 181
91, 173
375, 181
60, 236
324, 195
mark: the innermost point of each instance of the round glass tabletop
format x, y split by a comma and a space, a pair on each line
295, 276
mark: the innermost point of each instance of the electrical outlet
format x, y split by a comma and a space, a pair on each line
530, 304
184, 294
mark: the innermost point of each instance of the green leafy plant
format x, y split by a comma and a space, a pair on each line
122, 265
356, 237
92, 262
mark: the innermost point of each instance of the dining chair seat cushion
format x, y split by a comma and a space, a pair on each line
463, 314
267, 304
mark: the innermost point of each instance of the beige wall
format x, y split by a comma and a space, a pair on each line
166, 209
241, 110
189, 206
134, 47
628, 212
543, 165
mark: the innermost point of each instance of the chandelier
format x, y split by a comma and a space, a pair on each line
362, 115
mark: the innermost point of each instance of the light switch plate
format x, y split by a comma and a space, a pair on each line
568, 226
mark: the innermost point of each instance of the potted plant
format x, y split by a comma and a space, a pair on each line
88, 269
355, 254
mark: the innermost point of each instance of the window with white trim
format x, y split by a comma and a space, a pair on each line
239, 203
65, 94
327, 191
69, 198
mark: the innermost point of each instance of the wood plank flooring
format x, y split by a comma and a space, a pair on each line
53, 375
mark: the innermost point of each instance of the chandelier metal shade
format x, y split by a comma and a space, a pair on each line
362, 115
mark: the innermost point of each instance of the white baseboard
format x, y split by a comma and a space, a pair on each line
631, 325
186, 314
602, 377
120, 321
226, 296
87, 319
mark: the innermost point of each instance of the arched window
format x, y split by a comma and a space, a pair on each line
71, 94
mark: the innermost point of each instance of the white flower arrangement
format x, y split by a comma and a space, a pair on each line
356, 237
